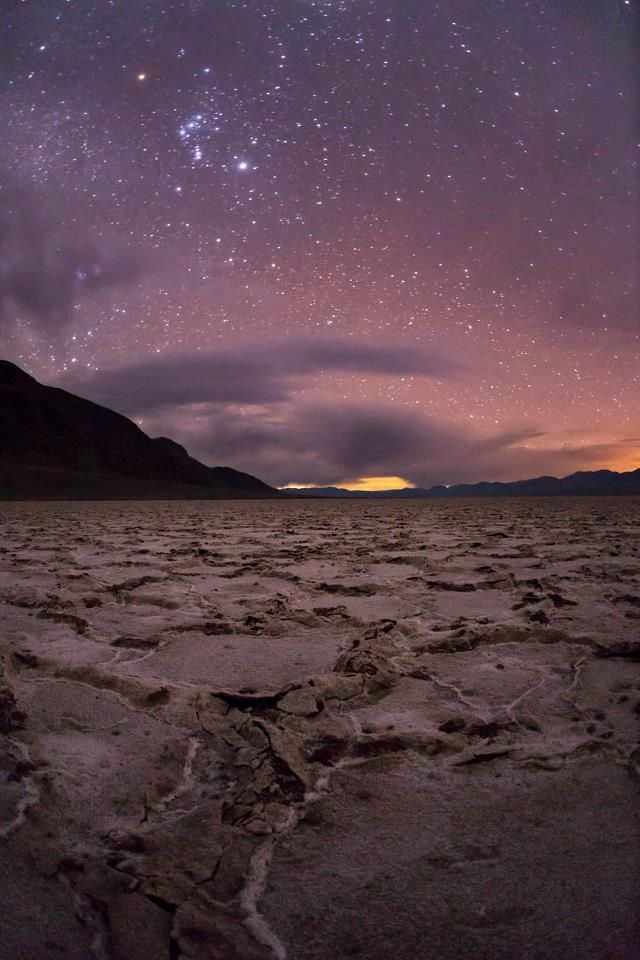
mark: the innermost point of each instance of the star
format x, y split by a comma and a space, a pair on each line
430, 180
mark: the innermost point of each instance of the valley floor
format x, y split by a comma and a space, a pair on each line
319, 730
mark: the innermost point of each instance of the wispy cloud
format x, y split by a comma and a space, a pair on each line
252, 374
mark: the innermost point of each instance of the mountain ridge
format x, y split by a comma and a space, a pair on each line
581, 483
56, 445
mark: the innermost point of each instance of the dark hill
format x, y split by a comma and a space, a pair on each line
54, 445
586, 483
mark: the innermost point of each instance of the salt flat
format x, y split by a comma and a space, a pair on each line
321, 730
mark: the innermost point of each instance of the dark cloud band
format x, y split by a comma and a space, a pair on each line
252, 373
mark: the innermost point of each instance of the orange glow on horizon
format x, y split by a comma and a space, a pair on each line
361, 483
377, 483
623, 466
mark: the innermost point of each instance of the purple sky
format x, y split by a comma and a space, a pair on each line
321, 241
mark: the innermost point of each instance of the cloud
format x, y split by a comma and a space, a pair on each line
246, 407
250, 373
337, 442
330, 443
44, 271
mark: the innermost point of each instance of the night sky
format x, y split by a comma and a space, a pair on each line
325, 241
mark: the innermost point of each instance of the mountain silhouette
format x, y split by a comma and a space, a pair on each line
55, 445
583, 483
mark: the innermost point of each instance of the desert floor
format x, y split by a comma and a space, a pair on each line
320, 730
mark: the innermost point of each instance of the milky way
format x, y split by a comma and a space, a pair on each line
189, 183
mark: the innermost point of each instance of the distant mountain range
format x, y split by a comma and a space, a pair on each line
56, 446
585, 483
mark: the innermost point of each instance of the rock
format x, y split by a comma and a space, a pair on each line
538, 616
10, 717
203, 934
627, 649
338, 687
447, 585
302, 703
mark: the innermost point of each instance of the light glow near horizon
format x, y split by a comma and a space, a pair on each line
361, 483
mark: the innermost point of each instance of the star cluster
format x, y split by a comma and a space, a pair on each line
455, 175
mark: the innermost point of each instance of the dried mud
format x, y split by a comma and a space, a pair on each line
319, 730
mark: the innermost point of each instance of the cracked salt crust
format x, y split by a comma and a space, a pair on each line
233, 736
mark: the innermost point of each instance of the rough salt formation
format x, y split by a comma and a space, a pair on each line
315, 730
